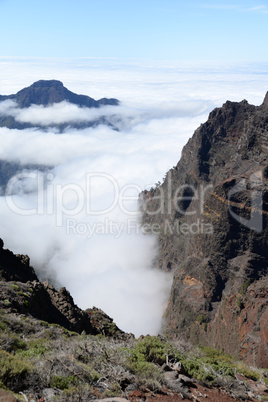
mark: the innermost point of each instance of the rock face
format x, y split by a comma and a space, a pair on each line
211, 216
22, 292
15, 267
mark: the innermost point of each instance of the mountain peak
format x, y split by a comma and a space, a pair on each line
47, 84
47, 92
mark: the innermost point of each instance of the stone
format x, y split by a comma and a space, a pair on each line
6, 396
170, 376
185, 380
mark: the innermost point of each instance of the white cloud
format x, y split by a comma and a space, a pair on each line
104, 260
59, 113
8, 107
161, 108
121, 117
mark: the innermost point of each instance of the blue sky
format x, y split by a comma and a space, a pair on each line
148, 29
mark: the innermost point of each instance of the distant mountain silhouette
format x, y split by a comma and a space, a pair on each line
47, 93
52, 91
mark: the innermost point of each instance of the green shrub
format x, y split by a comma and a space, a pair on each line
210, 365
144, 359
3, 326
14, 287
26, 304
17, 343
215, 354
12, 369
61, 382
201, 319
150, 349
144, 369
247, 372
147, 374
34, 348
44, 323
23, 294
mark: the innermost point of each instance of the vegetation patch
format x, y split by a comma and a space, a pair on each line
61, 382
13, 370
246, 371
34, 348
245, 286
14, 287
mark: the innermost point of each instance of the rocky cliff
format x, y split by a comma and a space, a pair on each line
210, 215
23, 293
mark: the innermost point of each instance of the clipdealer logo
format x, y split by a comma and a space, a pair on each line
82, 210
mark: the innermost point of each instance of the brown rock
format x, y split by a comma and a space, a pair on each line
212, 209
6, 396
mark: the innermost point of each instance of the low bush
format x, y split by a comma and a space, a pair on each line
150, 349
14, 287
13, 371
252, 374
34, 348
61, 382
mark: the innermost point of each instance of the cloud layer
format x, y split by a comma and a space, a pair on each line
79, 220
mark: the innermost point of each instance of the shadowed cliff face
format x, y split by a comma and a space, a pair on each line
211, 216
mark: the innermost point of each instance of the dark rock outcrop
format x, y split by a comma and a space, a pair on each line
22, 292
211, 215
15, 267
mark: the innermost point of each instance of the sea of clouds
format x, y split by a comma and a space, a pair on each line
78, 219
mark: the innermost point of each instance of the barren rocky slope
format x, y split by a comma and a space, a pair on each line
210, 215
23, 293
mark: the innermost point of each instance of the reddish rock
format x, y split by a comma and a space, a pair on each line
6, 396
212, 211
